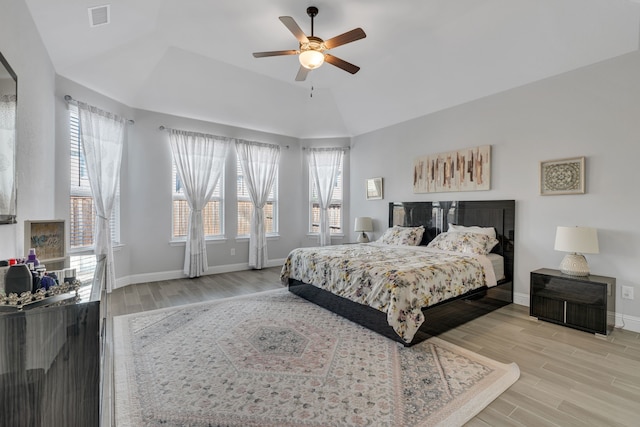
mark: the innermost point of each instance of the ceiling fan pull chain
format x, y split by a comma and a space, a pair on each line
311, 94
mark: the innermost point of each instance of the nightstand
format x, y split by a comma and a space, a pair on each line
586, 303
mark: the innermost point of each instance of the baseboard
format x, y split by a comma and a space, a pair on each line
521, 299
628, 323
178, 274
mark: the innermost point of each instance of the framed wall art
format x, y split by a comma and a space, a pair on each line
563, 176
48, 239
374, 189
461, 170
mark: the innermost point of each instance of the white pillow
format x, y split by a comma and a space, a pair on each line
489, 231
409, 236
466, 243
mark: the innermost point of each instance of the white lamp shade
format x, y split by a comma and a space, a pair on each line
363, 223
311, 59
582, 240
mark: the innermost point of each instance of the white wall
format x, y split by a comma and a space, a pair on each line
22, 47
147, 253
592, 112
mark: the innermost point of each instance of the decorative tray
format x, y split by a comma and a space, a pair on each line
55, 293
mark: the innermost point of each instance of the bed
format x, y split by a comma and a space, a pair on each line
463, 299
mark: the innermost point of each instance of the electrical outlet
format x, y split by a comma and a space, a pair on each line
233, 251
627, 292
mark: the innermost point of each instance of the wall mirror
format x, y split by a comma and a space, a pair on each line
8, 104
374, 188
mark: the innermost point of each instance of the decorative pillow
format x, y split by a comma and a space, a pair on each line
489, 231
408, 236
466, 243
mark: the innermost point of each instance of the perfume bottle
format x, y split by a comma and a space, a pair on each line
31, 258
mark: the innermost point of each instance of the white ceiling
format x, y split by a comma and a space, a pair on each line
193, 58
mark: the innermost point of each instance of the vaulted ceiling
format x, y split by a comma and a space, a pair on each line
193, 58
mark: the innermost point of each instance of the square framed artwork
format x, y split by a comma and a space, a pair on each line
374, 189
47, 237
563, 176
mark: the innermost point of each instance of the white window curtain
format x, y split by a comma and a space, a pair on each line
7, 153
102, 136
259, 164
199, 160
324, 164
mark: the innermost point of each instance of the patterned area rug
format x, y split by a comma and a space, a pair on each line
274, 359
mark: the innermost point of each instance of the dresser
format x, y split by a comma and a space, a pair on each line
586, 303
50, 361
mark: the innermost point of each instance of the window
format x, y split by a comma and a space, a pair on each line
335, 207
82, 216
245, 206
211, 214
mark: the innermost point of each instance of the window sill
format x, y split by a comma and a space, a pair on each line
208, 240
273, 236
81, 251
333, 236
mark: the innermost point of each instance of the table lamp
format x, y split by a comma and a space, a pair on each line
576, 241
363, 224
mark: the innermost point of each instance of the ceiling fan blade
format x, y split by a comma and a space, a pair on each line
294, 28
274, 53
348, 37
341, 63
302, 74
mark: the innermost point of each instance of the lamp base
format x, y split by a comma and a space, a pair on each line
574, 265
363, 238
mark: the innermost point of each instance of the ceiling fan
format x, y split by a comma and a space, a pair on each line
312, 49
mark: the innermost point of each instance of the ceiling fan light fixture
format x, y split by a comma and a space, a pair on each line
311, 59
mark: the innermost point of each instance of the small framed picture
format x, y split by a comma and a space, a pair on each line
563, 176
374, 188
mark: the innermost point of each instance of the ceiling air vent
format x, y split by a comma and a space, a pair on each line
99, 15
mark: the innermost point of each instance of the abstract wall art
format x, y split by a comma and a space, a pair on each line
461, 170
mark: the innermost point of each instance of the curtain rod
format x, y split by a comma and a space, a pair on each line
328, 148
163, 127
70, 100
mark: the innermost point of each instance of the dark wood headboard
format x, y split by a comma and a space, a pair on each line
435, 217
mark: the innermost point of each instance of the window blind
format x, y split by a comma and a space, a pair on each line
212, 215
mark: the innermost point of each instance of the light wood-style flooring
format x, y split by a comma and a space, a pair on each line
567, 377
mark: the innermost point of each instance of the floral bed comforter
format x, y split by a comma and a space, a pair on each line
398, 280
